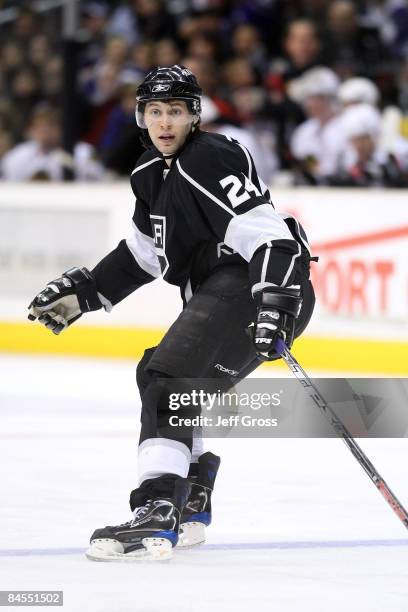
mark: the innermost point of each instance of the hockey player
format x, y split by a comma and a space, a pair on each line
204, 221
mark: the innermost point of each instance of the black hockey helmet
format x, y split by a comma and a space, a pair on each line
168, 83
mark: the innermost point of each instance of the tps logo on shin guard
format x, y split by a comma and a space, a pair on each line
159, 235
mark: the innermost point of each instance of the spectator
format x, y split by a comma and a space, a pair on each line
11, 60
239, 72
25, 94
350, 48
101, 93
207, 73
116, 52
6, 143
140, 20
212, 121
403, 86
246, 43
167, 52
242, 86
94, 20
26, 25
317, 144
8, 119
40, 50
301, 45
142, 59
154, 21
302, 48
206, 21
267, 16
315, 10
101, 85
234, 47
390, 18
42, 158
371, 166
120, 144
52, 81
203, 46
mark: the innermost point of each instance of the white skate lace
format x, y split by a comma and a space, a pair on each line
140, 512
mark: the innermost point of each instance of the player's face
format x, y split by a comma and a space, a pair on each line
168, 124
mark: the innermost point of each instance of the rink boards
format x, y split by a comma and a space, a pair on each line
361, 280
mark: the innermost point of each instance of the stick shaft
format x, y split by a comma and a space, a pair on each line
342, 431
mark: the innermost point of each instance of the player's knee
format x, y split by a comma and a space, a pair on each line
144, 377
156, 391
164, 395
157, 405
153, 396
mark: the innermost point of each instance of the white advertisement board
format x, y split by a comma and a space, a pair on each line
360, 236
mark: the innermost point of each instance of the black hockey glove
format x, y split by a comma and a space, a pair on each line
276, 314
65, 299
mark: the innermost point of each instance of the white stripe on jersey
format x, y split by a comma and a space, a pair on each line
265, 262
145, 165
304, 242
142, 249
247, 232
292, 263
265, 191
248, 160
204, 190
261, 286
247, 155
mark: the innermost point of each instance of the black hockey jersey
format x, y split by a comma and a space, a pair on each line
208, 209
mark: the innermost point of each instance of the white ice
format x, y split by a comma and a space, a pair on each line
298, 526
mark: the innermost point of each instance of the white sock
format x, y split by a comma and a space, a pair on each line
198, 444
158, 456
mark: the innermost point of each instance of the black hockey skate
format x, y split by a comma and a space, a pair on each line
196, 515
153, 532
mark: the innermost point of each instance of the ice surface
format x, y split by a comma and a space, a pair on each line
298, 526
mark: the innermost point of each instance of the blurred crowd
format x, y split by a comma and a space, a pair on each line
317, 90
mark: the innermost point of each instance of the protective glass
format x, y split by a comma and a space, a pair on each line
149, 114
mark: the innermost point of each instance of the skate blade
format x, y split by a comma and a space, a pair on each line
191, 534
155, 549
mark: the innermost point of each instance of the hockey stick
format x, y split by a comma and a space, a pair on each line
341, 430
